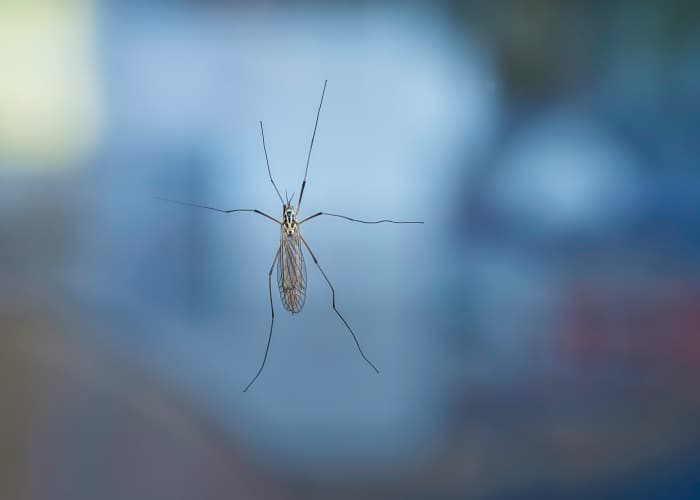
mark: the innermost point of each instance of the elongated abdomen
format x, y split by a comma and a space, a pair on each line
291, 273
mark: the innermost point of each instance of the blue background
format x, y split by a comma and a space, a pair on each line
537, 337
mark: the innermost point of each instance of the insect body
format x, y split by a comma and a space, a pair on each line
289, 258
291, 267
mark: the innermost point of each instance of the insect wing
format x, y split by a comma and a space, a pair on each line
291, 273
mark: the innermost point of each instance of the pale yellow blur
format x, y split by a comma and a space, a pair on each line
49, 99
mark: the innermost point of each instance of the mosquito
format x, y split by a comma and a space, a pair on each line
289, 258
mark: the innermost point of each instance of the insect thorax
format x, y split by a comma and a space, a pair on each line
289, 228
289, 224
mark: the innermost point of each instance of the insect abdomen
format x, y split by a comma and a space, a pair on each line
291, 273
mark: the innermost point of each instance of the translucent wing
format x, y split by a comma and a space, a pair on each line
291, 273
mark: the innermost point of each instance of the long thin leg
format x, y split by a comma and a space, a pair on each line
358, 220
272, 321
334, 308
268, 164
303, 184
259, 212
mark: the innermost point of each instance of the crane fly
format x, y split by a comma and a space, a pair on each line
289, 258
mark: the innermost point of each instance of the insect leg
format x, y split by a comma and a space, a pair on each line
255, 210
334, 308
272, 321
358, 220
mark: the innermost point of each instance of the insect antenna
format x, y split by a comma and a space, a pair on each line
306, 171
262, 133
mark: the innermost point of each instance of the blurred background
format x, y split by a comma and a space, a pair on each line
537, 337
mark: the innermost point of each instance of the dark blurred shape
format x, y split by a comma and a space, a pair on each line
78, 421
